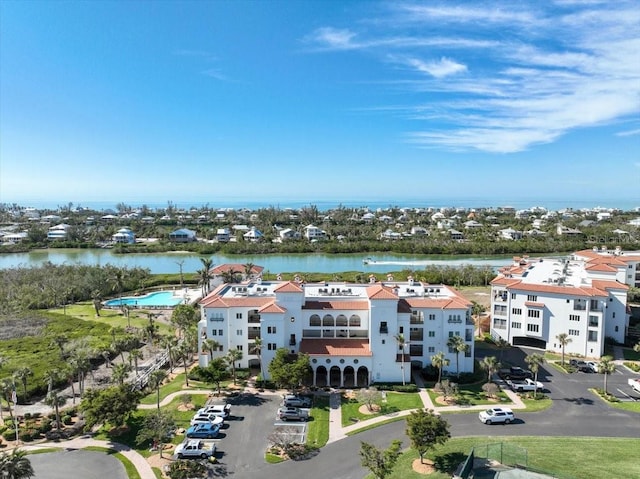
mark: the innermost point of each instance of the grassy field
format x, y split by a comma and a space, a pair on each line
318, 432
177, 384
471, 395
395, 402
567, 457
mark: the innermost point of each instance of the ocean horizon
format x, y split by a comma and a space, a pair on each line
328, 204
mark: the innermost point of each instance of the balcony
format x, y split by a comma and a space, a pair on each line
454, 320
254, 318
416, 336
416, 319
579, 307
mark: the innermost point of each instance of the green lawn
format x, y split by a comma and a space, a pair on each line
177, 384
471, 395
318, 428
567, 457
395, 402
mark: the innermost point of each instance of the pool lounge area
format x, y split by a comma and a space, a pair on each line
158, 299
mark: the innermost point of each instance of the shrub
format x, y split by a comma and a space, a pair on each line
633, 366
9, 435
66, 420
429, 373
27, 415
45, 426
407, 388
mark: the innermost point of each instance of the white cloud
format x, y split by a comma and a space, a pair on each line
333, 38
439, 69
629, 133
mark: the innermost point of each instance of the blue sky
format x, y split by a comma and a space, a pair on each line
206, 101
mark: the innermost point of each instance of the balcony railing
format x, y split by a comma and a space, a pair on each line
579, 307
454, 320
416, 319
254, 318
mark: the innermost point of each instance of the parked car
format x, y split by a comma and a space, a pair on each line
525, 385
193, 448
514, 372
592, 366
582, 366
634, 383
222, 410
496, 415
203, 431
208, 418
292, 400
292, 414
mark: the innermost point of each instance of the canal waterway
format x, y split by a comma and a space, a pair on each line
274, 263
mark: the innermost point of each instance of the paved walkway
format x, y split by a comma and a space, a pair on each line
337, 431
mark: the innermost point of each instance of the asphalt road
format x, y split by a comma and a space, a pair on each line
76, 464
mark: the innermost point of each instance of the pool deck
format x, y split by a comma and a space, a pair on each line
188, 295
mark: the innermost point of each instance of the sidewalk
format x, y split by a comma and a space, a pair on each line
337, 431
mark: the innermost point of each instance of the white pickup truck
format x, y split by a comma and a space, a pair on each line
635, 384
525, 385
195, 449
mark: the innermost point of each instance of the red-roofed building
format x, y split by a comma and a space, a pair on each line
349, 331
583, 295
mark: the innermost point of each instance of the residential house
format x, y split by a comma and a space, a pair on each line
125, 236
312, 232
182, 235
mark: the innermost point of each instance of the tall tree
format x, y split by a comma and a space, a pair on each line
54, 400
120, 373
490, 364
289, 370
426, 430
135, 355
606, 366
402, 344
215, 372
185, 354
535, 361
157, 426
170, 343
563, 339
156, 378
232, 356
248, 270
457, 344
380, 462
111, 405
205, 274
117, 280
184, 317
502, 344
23, 374
211, 346
16, 465
439, 360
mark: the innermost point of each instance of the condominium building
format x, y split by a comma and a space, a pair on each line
583, 295
349, 330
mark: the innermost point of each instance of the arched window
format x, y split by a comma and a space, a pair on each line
341, 320
314, 320
354, 321
327, 320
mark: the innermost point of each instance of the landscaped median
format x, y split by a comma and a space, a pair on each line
357, 408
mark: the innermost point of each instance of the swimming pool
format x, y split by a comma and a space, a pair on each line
159, 299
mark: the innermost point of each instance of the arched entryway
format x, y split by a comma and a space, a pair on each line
321, 377
334, 376
362, 377
349, 376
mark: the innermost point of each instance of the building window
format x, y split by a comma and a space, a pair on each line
467, 353
532, 297
593, 336
354, 321
292, 340
415, 349
238, 315
383, 341
533, 328
432, 317
238, 332
271, 330
239, 347
341, 321
516, 311
513, 295
593, 321
383, 327
516, 325
214, 333
616, 329
328, 320
314, 320
499, 323
574, 332
355, 361
533, 313
574, 317
432, 334
271, 346
220, 331
401, 329
613, 315
432, 349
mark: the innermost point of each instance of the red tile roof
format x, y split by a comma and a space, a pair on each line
288, 287
235, 267
322, 305
335, 347
273, 308
531, 304
379, 291
604, 285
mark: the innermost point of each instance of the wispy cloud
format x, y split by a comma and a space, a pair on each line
503, 79
629, 133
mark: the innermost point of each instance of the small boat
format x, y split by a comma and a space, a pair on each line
367, 261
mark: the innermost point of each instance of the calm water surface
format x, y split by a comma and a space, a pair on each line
303, 263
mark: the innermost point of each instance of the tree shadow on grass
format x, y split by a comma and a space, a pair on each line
449, 462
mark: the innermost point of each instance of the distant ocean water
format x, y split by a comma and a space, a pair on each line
327, 204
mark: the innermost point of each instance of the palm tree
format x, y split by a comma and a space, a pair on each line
248, 270
7, 386
457, 344
23, 375
535, 361
53, 400
439, 360
170, 343
476, 310
120, 372
205, 274
606, 367
185, 354
402, 343
563, 339
211, 346
232, 356
16, 465
51, 376
135, 355
257, 350
502, 344
490, 364
155, 381
117, 282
